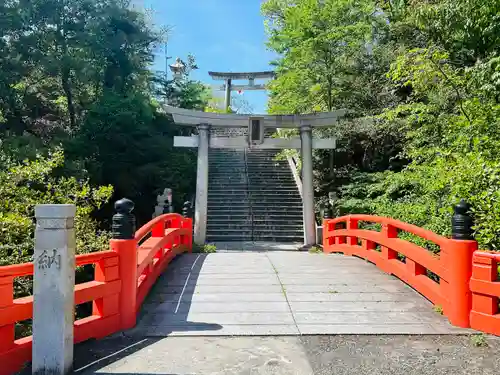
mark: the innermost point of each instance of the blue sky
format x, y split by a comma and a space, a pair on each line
223, 35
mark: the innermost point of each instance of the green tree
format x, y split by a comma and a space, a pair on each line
77, 74
421, 81
25, 184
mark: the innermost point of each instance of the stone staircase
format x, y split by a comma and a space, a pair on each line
252, 197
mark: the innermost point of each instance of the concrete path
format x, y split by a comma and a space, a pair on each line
290, 355
283, 293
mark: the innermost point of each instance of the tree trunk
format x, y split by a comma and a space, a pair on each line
65, 78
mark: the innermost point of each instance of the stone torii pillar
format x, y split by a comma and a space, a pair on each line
201, 202
227, 101
307, 185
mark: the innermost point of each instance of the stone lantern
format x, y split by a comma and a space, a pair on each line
178, 68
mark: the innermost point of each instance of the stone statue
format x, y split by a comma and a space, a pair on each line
164, 203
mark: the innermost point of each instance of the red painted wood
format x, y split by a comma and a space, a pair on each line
116, 291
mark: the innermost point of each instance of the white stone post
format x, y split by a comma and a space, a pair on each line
307, 185
201, 210
53, 289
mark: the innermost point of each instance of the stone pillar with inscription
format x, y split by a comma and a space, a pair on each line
53, 289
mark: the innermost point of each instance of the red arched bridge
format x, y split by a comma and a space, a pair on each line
269, 293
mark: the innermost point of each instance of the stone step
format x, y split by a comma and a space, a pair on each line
225, 158
271, 238
226, 182
229, 168
248, 195
250, 220
249, 233
285, 190
229, 232
256, 229
256, 208
253, 222
257, 185
264, 158
228, 238
226, 213
274, 164
283, 220
267, 198
269, 187
254, 192
227, 210
271, 194
277, 211
264, 172
267, 172
258, 217
268, 176
225, 222
257, 205
227, 163
275, 182
246, 186
222, 217
242, 174
269, 164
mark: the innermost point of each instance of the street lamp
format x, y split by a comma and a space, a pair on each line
178, 68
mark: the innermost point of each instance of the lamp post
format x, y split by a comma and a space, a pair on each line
167, 57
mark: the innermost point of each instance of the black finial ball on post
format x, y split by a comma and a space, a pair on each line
123, 227
327, 212
461, 222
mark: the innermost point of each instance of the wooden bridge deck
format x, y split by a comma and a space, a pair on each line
283, 293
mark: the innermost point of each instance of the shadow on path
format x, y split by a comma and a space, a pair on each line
165, 314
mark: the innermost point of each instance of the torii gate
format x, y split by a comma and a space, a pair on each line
256, 127
228, 79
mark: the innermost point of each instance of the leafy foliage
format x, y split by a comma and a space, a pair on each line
76, 75
421, 82
25, 184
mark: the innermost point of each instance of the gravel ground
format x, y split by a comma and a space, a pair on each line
398, 355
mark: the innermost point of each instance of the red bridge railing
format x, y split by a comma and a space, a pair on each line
485, 286
122, 279
443, 279
463, 281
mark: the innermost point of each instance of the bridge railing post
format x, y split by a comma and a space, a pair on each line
6, 330
388, 231
351, 224
124, 243
53, 289
460, 254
